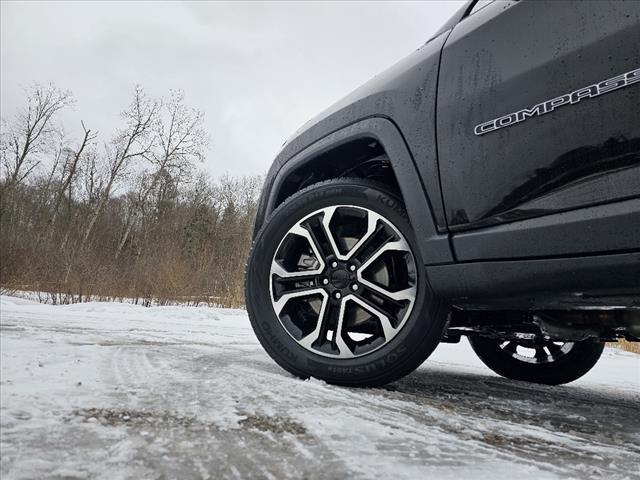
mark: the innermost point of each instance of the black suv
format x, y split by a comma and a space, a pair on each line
487, 185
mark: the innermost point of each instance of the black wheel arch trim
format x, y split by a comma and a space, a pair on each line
434, 246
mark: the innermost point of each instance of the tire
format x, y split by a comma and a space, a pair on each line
384, 355
580, 357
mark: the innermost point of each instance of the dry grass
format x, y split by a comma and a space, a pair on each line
633, 347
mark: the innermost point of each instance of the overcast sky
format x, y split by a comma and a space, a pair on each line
258, 70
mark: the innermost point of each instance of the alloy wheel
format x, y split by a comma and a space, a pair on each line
536, 352
343, 281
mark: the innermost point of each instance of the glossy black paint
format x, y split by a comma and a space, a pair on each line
514, 55
611, 227
561, 283
435, 247
545, 212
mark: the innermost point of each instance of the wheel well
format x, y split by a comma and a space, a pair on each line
361, 158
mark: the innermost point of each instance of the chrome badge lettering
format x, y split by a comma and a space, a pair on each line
548, 106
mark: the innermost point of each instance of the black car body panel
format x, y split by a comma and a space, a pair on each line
514, 55
542, 212
559, 283
612, 227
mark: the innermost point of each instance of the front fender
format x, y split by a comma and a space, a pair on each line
434, 246
398, 108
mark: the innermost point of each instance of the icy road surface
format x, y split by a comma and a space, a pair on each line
120, 391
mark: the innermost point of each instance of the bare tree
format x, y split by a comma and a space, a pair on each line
31, 132
181, 137
179, 143
131, 143
69, 170
93, 178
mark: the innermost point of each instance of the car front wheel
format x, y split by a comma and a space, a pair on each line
336, 287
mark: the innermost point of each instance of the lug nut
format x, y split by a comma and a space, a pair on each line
334, 264
338, 295
354, 287
352, 268
325, 281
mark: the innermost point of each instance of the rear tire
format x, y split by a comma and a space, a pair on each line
303, 333
565, 367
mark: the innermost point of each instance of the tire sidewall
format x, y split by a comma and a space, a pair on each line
281, 346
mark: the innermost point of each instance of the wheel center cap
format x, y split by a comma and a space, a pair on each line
339, 278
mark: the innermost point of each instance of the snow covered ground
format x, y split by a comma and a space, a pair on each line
105, 390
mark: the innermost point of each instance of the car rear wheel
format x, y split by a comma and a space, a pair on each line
336, 287
538, 361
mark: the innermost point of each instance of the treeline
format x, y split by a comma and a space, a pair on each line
128, 216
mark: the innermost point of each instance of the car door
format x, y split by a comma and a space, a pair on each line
538, 127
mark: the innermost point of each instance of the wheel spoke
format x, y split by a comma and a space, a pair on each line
320, 238
279, 270
326, 219
554, 349
343, 348
286, 285
372, 222
282, 301
396, 245
394, 310
541, 355
511, 348
405, 294
387, 328
308, 340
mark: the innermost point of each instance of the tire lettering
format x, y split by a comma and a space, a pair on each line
279, 346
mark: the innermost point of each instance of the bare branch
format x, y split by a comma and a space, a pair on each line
32, 131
